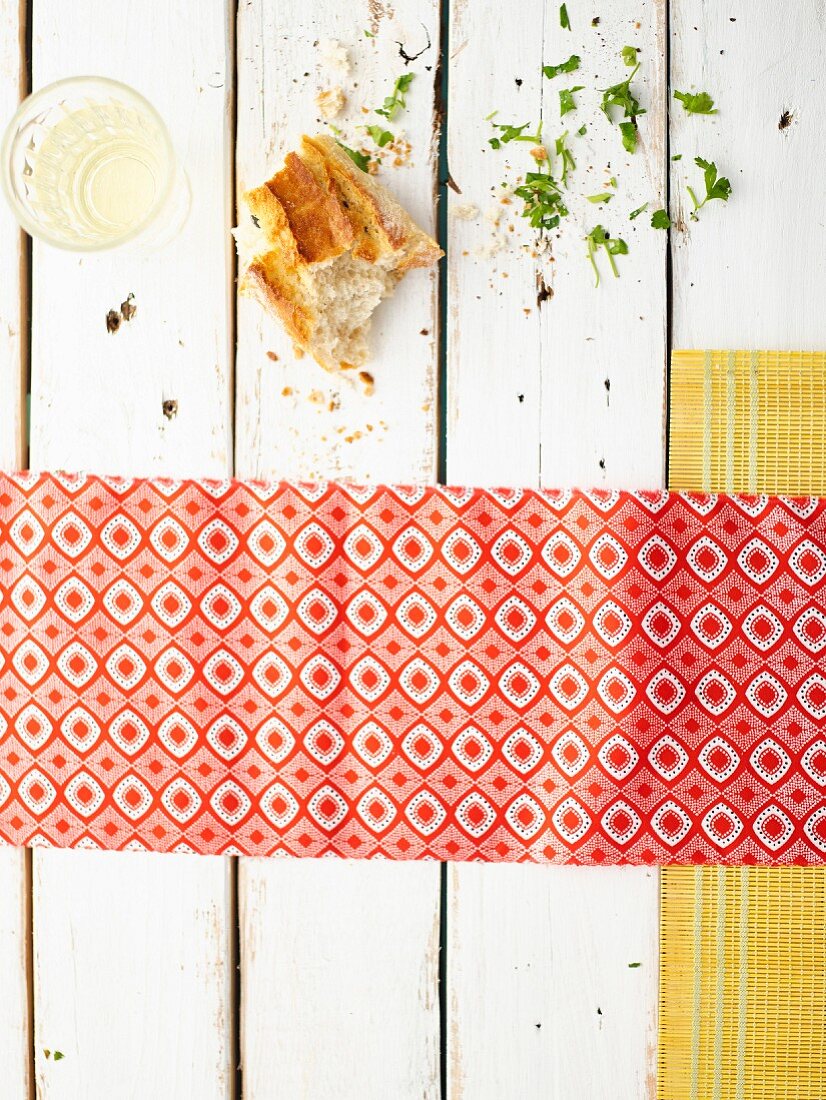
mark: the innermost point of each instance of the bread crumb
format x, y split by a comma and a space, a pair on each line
539, 153
490, 248
316, 397
334, 55
493, 215
367, 378
271, 355
287, 391
330, 102
298, 352
465, 211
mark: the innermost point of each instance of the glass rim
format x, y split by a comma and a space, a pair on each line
44, 94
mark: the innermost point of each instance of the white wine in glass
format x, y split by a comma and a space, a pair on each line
88, 164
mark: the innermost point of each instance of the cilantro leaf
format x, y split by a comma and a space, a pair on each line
696, 103
660, 220
582, 129
598, 238
620, 95
629, 135
396, 101
564, 21
508, 132
361, 160
569, 66
677, 156
566, 99
717, 187
381, 136
636, 213
544, 204
629, 56
566, 157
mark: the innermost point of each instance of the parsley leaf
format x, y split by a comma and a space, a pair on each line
660, 220
361, 160
566, 99
599, 237
605, 196
396, 101
509, 132
544, 204
677, 156
620, 96
564, 21
59, 1055
636, 213
381, 136
569, 66
717, 187
566, 157
697, 103
582, 129
629, 56
629, 135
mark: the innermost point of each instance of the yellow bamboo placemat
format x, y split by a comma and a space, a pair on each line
743, 949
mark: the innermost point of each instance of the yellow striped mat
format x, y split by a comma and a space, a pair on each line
743, 949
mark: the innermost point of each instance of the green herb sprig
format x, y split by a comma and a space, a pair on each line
619, 96
397, 100
600, 238
569, 66
696, 103
508, 132
717, 187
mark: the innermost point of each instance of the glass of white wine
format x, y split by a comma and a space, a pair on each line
87, 164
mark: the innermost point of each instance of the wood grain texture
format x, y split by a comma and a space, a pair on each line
749, 273
133, 971
293, 417
15, 913
339, 961
541, 995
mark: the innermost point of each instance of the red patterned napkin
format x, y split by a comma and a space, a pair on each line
453, 673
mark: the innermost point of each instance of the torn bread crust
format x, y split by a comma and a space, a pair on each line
331, 243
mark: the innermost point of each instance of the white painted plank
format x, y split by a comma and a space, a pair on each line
133, 977
339, 961
14, 899
528, 945
749, 273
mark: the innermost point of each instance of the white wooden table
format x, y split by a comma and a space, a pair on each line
180, 976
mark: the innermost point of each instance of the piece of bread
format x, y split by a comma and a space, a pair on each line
325, 243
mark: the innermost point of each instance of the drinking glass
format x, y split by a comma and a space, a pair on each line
87, 164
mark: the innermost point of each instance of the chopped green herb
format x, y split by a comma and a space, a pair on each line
660, 220
369, 34
566, 99
677, 156
599, 237
629, 56
544, 204
582, 129
564, 21
606, 196
58, 1055
509, 132
717, 187
612, 182
636, 213
633, 966
620, 96
629, 135
396, 101
569, 66
566, 157
697, 103
381, 136
361, 160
